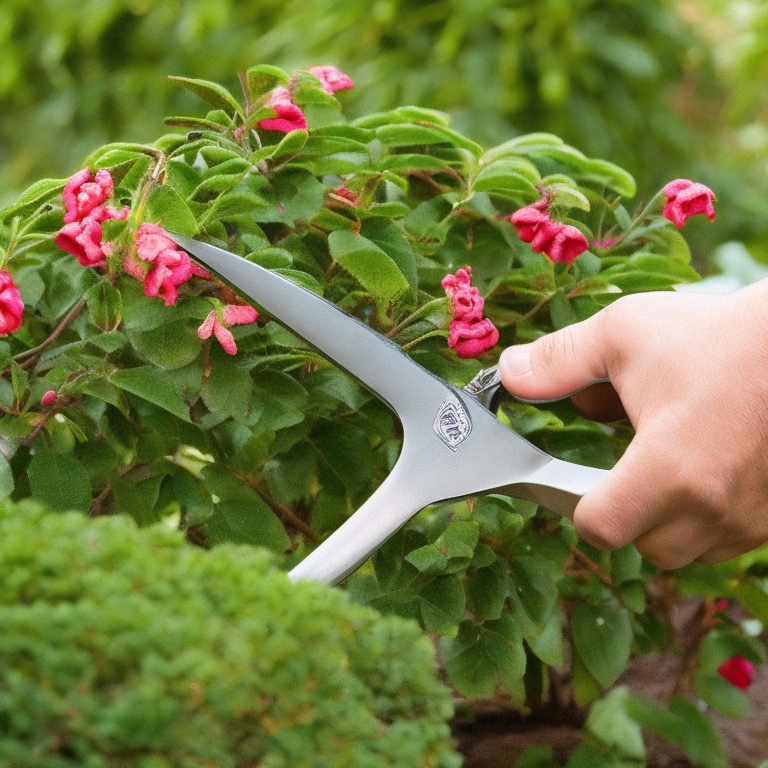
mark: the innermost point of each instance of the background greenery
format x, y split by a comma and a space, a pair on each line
662, 88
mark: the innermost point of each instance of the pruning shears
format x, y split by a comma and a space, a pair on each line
453, 444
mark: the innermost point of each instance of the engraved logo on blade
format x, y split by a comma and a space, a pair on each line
452, 424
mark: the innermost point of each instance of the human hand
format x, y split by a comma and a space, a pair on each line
690, 371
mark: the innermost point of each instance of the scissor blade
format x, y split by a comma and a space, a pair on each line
372, 359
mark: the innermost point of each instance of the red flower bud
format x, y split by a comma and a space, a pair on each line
737, 671
49, 398
11, 305
331, 79
686, 198
560, 242
469, 333
288, 117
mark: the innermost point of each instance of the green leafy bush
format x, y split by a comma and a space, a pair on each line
121, 394
123, 647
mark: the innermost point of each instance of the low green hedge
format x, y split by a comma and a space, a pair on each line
122, 646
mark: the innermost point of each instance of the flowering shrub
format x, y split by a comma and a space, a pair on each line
116, 399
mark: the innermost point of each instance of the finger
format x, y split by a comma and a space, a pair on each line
627, 502
676, 543
558, 364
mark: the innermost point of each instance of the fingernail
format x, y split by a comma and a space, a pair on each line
515, 361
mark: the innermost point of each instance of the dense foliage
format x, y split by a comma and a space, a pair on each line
121, 392
124, 647
598, 73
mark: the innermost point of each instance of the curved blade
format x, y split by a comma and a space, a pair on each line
372, 359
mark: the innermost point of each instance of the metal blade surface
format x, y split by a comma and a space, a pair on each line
369, 357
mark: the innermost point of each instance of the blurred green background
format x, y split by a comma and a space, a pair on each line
665, 89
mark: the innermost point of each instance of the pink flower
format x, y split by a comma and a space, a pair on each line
11, 305
528, 221
737, 671
288, 117
472, 338
560, 242
466, 301
49, 398
169, 268
567, 244
686, 198
82, 194
217, 321
469, 333
239, 314
346, 195
331, 79
83, 239
84, 198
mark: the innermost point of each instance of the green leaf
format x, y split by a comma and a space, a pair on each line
19, 384
487, 591
291, 144
602, 635
459, 539
480, 654
547, 645
152, 385
409, 134
526, 419
428, 559
682, 724
105, 306
565, 195
390, 238
610, 722
240, 515
166, 206
442, 604
521, 145
368, 264
170, 346
34, 196
137, 499
213, 93
227, 390
513, 177
7, 481
59, 480
263, 78
408, 162
722, 695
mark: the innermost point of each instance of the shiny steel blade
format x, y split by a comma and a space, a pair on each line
369, 357
452, 446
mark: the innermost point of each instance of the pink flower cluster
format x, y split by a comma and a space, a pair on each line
288, 116
685, 198
469, 333
218, 323
11, 304
85, 198
560, 242
737, 671
168, 266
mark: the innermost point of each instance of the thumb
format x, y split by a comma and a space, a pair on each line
559, 364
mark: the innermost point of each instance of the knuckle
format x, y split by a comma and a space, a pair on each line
603, 531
